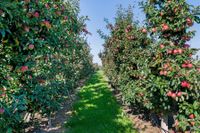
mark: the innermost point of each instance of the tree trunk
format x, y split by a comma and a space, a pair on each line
49, 121
164, 124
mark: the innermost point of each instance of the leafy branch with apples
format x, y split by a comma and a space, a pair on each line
43, 55
154, 66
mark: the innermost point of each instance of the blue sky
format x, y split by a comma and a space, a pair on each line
97, 10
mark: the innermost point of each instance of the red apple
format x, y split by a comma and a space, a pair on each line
179, 94
161, 73
189, 22
3, 89
173, 95
186, 38
191, 116
166, 66
31, 46
165, 27
184, 65
175, 51
36, 14
161, 14
65, 17
47, 6
144, 30
185, 84
154, 30
26, 28
3, 95
180, 51
2, 110
47, 24
162, 46
190, 65
24, 68
165, 73
169, 93
58, 13
175, 10
169, 51
192, 123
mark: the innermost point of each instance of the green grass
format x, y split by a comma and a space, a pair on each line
97, 110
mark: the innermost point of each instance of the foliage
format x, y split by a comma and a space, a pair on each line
43, 54
153, 67
175, 68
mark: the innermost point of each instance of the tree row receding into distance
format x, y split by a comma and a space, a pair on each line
43, 55
153, 65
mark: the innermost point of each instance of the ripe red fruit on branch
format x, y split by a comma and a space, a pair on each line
154, 30
189, 65
162, 46
175, 51
24, 68
2, 110
36, 14
65, 17
144, 30
161, 14
161, 72
189, 22
198, 69
184, 65
165, 73
173, 95
179, 94
58, 13
180, 51
169, 93
31, 46
3, 95
47, 6
186, 38
191, 116
185, 84
165, 27
165, 66
47, 24
192, 123
169, 51
26, 28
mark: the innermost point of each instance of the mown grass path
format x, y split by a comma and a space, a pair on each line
97, 110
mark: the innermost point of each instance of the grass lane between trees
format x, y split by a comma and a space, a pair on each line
97, 110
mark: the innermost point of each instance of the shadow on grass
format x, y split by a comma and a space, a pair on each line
97, 110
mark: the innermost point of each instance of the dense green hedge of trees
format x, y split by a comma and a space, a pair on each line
43, 55
152, 66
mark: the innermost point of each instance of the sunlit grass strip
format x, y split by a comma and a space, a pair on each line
97, 110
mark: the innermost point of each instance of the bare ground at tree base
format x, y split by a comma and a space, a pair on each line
58, 119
